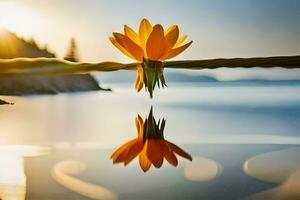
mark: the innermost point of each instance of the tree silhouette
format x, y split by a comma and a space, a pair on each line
72, 54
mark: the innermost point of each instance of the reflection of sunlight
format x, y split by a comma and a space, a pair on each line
202, 169
12, 177
61, 171
280, 167
12, 170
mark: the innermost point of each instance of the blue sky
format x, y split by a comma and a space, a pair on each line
219, 28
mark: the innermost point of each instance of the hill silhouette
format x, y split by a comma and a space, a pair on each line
12, 46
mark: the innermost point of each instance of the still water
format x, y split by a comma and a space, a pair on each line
244, 140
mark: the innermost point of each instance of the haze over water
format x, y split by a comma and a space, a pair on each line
213, 113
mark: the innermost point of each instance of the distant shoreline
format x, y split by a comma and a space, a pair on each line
2, 102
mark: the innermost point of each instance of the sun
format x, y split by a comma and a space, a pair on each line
19, 18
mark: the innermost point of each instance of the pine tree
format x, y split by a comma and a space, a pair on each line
72, 52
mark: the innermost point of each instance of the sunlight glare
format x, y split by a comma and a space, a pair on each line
19, 18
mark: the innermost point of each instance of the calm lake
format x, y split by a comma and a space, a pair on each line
244, 139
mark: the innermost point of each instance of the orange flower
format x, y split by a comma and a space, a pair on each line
150, 146
150, 43
150, 46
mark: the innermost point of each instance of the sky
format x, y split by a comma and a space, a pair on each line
218, 28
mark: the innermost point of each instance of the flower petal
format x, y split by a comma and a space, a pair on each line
120, 154
141, 126
179, 151
134, 151
180, 41
135, 50
138, 83
143, 159
156, 43
137, 126
129, 32
175, 52
122, 49
144, 31
168, 154
154, 153
171, 158
139, 78
169, 29
171, 36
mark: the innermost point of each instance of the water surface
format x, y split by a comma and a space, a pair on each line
220, 126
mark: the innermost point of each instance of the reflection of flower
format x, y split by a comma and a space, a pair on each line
150, 146
150, 46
